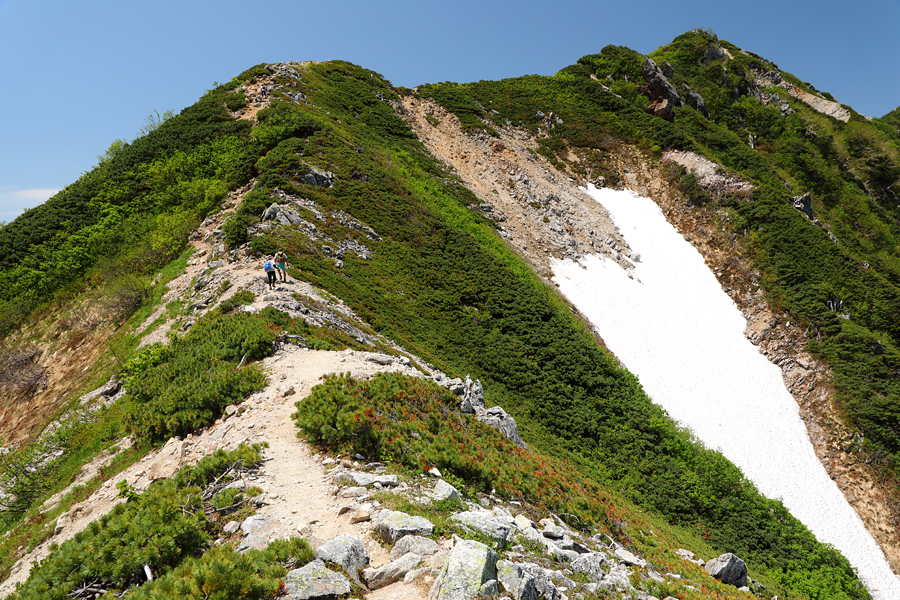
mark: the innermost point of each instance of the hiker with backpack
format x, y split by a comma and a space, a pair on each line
269, 268
280, 259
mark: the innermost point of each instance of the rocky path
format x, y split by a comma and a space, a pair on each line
299, 498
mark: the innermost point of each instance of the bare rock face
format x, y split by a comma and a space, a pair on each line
729, 569
661, 92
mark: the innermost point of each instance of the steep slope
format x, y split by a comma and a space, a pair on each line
364, 212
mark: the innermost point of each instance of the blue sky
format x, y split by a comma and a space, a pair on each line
78, 75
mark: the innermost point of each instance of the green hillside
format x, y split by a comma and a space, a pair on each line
444, 285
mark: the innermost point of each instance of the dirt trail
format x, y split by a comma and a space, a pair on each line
300, 499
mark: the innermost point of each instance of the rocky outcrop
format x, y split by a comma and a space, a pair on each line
695, 100
663, 95
729, 569
317, 177
804, 204
772, 78
471, 395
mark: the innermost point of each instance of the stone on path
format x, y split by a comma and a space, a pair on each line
345, 550
314, 580
391, 572
417, 544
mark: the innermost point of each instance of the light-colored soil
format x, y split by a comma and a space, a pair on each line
540, 211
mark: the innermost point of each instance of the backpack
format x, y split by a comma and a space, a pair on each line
268, 266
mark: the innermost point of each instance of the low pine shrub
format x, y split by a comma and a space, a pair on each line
158, 529
186, 387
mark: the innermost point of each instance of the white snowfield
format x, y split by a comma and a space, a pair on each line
682, 336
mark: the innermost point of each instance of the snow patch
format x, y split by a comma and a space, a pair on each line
682, 336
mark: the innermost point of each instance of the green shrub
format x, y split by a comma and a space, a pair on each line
160, 529
187, 387
235, 229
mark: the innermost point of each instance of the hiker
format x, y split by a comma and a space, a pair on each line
269, 268
280, 259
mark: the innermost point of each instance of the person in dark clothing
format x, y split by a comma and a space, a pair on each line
269, 268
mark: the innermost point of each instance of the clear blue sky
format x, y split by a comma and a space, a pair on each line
78, 75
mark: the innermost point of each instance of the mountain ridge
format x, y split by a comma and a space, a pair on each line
285, 145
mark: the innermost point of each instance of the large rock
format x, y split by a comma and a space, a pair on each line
318, 177
486, 524
345, 550
469, 565
497, 418
255, 524
392, 525
472, 395
591, 565
516, 581
695, 100
729, 569
804, 204
314, 580
391, 572
445, 491
416, 544
657, 86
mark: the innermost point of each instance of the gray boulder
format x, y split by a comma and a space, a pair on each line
318, 177
729, 569
445, 491
469, 565
804, 204
314, 580
392, 525
497, 418
391, 572
695, 100
254, 524
271, 213
627, 558
416, 544
591, 565
486, 524
345, 550
713, 53
516, 581
618, 579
